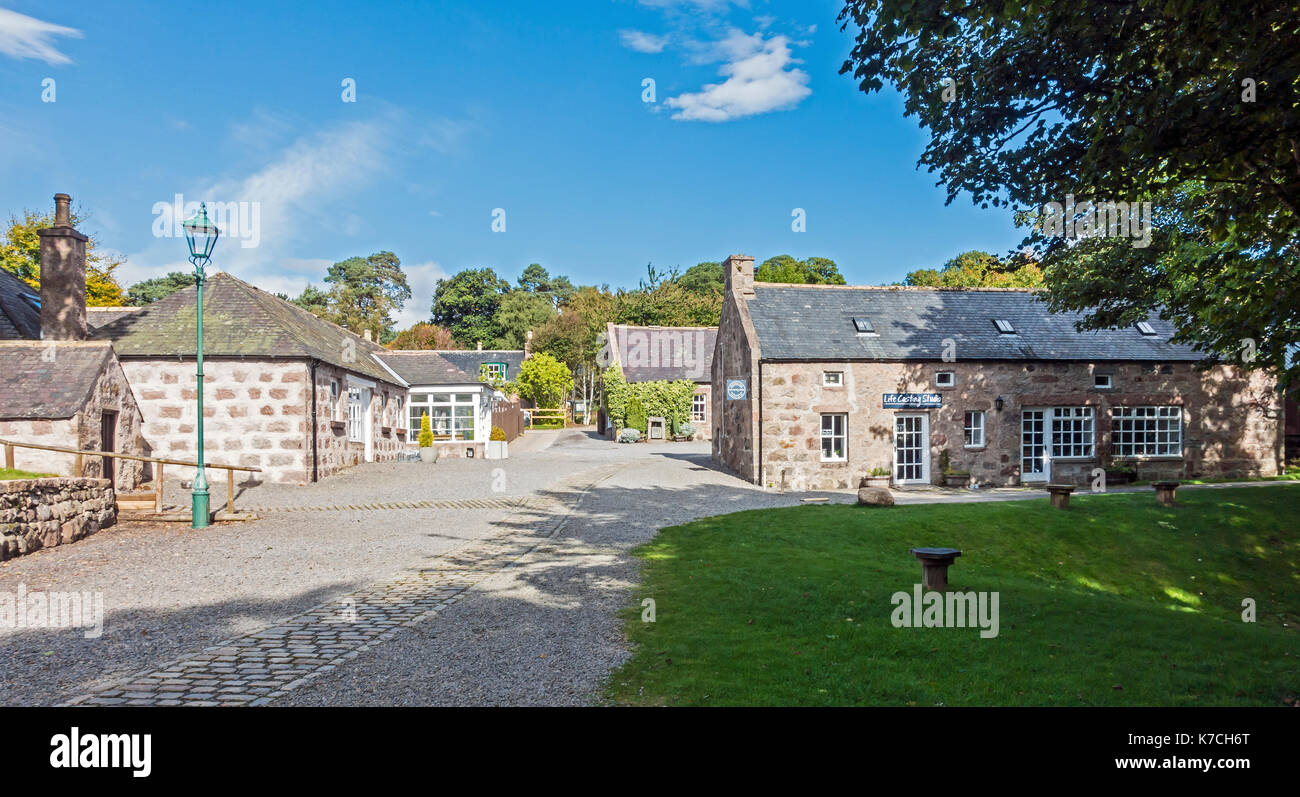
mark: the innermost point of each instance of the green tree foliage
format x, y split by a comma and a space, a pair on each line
366, 292
423, 336
314, 300
467, 302
519, 312
20, 254
1185, 103
976, 269
706, 278
151, 290
813, 271
536, 279
544, 380
636, 415
661, 299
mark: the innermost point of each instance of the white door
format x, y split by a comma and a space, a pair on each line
368, 425
1035, 459
912, 449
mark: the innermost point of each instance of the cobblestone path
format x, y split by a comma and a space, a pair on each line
256, 668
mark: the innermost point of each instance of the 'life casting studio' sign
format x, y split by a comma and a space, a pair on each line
913, 401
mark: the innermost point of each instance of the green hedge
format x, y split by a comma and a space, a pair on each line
629, 404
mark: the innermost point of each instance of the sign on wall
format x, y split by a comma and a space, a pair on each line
737, 389
912, 401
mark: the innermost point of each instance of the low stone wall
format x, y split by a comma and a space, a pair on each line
40, 513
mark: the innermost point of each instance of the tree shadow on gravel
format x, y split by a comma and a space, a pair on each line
47, 666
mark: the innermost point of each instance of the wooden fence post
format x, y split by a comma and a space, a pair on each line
9, 456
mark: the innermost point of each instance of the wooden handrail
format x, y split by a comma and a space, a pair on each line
10, 445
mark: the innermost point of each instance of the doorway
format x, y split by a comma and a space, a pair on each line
912, 449
1035, 465
108, 442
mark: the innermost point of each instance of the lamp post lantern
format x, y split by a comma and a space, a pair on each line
201, 234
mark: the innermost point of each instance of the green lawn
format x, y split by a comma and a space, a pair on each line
1115, 601
11, 473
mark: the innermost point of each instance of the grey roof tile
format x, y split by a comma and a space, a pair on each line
795, 322
19, 317
651, 353
49, 379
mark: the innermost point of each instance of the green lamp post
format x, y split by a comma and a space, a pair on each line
201, 234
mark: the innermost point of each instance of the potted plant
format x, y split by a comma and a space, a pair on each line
685, 431
427, 452
876, 477
951, 476
496, 445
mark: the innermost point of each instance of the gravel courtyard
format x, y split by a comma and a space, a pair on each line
540, 632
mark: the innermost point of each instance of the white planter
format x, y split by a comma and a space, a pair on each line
496, 449
429, 454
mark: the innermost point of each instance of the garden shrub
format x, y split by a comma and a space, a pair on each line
636, 415
426, 431
629, 436
497, 434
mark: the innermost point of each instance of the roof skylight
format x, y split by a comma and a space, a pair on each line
1145, 328
1004, 326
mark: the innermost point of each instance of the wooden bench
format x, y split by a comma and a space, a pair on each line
1165, 491
934, 566
1060, 494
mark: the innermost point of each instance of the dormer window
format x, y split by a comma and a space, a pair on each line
1004, 326
1145, 328
864, 326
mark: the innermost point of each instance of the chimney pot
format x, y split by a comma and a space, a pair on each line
62, 212
480, 345
366, 333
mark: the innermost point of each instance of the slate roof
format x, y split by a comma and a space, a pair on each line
239, 320
38, 386
426, 368
795, 322
647, 354
470, 361
97, 317
19, 318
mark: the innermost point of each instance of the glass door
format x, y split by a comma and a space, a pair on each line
912, 449
1035, 466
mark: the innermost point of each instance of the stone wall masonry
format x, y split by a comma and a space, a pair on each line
255, 414
1231, 419
735, 356
335, 451
42, 513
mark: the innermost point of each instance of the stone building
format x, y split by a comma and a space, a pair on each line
653, 353
56, 387
817, 385
284, 391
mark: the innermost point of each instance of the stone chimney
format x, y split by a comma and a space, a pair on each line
739, 271
365, 333
480, 345
63, 276
528, 344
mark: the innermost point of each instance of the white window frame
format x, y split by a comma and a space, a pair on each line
335, 395
400, 421
973, 434
462, 427
1110, 381
952, 378
356, 415
832, 378
698, 406
1073, 433
831, 434
1146, 431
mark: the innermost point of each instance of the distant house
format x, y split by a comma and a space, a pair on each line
57, 388
284, 391
653, 353
445, 385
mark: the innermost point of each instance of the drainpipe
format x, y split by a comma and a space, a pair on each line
759, 464
314, 365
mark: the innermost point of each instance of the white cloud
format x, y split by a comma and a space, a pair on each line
421, 278
26, 37
643, 42
760, 78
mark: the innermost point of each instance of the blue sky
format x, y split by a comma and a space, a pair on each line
532, 108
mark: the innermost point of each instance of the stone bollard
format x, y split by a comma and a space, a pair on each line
1165, 492
1060, 494
934, 566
